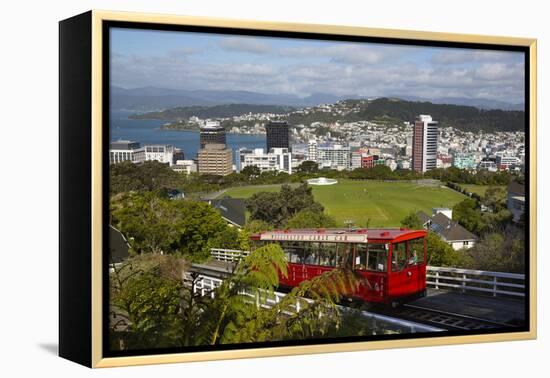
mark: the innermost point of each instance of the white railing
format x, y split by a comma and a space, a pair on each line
206, 285
229, 255
480, 281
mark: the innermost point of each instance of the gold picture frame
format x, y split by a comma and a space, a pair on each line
85, 33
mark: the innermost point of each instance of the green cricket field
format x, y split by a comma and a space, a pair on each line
372, 203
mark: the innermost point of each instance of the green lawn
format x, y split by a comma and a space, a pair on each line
384, 203
478, 189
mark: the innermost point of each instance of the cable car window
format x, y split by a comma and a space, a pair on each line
416, 251
399, 256
343, 255
327, 254
371, 257
311, 253
293, 252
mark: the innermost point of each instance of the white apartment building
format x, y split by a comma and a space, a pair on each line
122, 150
185, 166
312, 150
277, 159
160, 153
355, 160
334, 157
507, 161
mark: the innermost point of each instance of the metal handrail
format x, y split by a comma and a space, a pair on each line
481, 281
228, 255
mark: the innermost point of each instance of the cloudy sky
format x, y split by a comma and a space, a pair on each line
182, 60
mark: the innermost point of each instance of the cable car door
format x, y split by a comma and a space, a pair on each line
402, 279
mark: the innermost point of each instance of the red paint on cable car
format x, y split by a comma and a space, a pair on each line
390, 262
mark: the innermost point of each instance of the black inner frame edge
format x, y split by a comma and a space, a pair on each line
106, 27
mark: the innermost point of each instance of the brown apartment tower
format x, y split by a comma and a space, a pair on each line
424, 144
215, 159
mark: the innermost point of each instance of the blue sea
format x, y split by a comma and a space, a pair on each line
149, 132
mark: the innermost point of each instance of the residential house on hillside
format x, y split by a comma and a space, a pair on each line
232, 210
450, 231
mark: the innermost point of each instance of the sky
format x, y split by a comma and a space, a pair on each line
198, 61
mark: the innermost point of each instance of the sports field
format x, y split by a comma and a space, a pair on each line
380, 203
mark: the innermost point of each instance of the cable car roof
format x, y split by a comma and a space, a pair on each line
356, 235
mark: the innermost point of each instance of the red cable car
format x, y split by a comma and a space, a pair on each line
390, 262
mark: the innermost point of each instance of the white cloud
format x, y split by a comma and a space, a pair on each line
244, 44
346, 69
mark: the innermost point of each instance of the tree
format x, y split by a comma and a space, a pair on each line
251, 171
255, 226
502, 251
468, 215
439, 253
315, 318
308, 166
145, 302
154, 224
148, 176
412, 221
277, 208
495, 198
147, 293
311, 219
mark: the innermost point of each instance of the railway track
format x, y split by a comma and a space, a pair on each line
447, 320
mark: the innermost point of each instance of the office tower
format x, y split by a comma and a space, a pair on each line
215, 159
424, 151
277, 135
212, 133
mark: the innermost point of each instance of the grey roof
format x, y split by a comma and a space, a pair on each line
231, 209
516, 188
450, 230
424, 218
118, 246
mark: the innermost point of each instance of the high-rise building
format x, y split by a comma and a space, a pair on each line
424, 151
122, 150
215, 159
212, 133
161, 153
277, 135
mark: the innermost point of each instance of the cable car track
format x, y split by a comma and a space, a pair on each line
447, 320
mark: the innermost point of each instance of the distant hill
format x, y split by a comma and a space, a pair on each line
146, 99
152, 98
459, 116
480, 103
389, 111
215, 111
